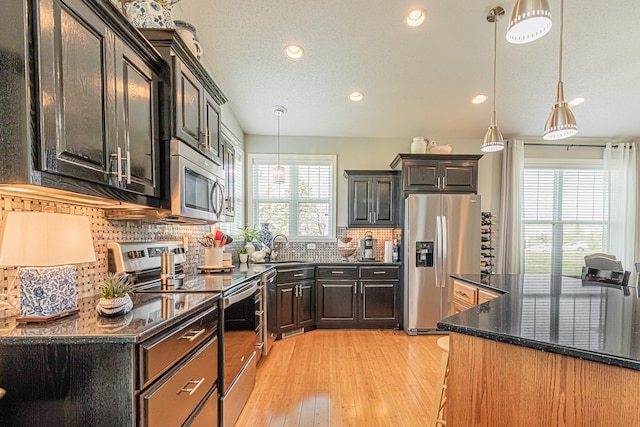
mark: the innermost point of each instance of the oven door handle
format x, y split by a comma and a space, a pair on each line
240, 295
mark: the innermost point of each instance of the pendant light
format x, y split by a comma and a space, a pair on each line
278, 171
493, 140
529, 20
561, 123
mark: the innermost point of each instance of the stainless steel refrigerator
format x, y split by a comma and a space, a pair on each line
442, 237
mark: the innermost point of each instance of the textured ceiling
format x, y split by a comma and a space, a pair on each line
417, 81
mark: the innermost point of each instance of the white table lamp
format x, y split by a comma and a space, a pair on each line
44, 245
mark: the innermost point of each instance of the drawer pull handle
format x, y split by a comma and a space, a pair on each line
298, 275
461, 293
379, 272
192, 335
337, 272
193, 389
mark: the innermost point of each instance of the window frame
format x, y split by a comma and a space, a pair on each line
294, 160
556, 221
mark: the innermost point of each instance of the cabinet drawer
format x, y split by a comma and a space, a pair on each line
338, 272
485, 295
173, 399
158, 353
295, 274
465, 294
459, 307
379, 273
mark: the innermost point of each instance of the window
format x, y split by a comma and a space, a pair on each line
301, 207
565, 215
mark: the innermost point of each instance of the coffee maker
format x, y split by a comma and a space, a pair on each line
368, 247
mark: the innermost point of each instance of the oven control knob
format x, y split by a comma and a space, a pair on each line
141, 253
131, 254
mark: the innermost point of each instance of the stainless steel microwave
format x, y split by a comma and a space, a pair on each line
195, 191
197, 185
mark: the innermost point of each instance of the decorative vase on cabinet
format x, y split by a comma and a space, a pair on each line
266, 235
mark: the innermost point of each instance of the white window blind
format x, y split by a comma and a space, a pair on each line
565, 212
301, 207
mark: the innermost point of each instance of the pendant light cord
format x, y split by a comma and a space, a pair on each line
561, 36
495, 62
279, 114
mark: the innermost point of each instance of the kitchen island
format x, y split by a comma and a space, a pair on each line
551, 351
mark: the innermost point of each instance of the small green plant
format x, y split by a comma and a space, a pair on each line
242, 250
249, 233
115, 286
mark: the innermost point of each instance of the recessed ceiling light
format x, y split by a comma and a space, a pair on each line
479, 99
356, 96
416, 17
294, 51
576, 101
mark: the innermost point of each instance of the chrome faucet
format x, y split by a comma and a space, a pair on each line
274, 253
273, 241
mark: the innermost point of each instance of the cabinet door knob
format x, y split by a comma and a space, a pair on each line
2, 392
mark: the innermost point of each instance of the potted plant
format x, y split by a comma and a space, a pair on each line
249, 235
115, 299
242, 254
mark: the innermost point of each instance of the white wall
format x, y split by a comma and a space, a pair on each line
377, 153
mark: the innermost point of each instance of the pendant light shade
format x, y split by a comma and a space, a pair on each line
493, 140
278, 171
561, 123
529, 20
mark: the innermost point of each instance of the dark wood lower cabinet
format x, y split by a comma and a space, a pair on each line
360, 300
291, 301
337, 302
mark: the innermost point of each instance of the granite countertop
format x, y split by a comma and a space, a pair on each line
152, 312
558, 314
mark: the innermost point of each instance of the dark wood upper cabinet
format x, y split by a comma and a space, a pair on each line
92, 104
78, 114
138, 122
195, 97
373, 198
427, 173
228, 156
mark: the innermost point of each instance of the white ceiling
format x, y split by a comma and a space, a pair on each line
417, 81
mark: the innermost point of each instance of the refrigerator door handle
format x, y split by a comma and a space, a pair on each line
443, 245
438, 250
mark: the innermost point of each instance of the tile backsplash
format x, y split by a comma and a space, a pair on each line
327, 251
91, 275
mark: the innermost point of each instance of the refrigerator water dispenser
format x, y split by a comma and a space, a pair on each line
424, 254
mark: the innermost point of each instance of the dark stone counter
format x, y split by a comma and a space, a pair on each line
558, 314
152, 313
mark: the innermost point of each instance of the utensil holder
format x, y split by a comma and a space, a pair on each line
213, 257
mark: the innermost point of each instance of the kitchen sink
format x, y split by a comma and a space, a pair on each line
284, 262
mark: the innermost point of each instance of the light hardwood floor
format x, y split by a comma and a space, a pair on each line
345, 378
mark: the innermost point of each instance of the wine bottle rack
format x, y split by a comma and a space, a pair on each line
487, 256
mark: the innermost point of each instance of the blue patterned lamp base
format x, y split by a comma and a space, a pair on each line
47, 293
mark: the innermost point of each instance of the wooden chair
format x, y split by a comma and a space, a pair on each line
603, 262
611, 277
438, 413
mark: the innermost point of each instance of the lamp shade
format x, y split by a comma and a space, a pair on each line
529, 20
38, 239
561, 122
493, 140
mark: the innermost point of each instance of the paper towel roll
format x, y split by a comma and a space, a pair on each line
388, 251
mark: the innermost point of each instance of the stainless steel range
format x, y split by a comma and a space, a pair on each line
143, 264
